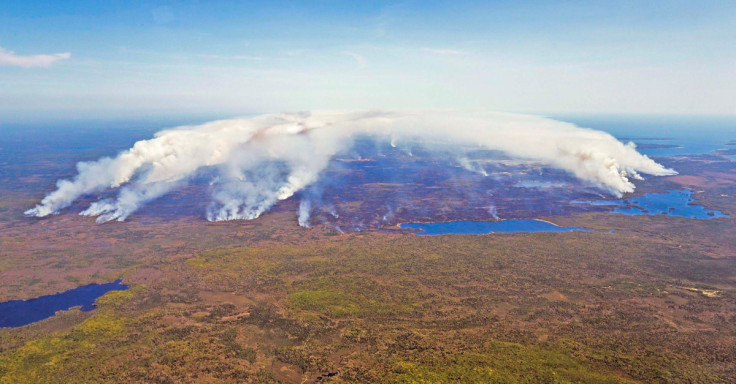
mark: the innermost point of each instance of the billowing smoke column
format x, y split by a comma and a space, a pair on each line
268, 158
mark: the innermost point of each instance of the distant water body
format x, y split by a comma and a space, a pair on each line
17, 313
486, 227
665, 135
671, 203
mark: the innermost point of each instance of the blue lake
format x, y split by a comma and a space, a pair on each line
670, 203
486, 227
17, 313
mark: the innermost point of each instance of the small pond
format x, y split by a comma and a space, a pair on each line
17, 313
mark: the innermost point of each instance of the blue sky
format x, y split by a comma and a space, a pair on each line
131, 58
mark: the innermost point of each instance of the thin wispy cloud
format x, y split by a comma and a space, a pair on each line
13, 59
359, 60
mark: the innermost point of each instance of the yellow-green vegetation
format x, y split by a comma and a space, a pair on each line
332, 302
339, 297
117, 299
265, 301
401, 308
502, 363
268, 302
53, 358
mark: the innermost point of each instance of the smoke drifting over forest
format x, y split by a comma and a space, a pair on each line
256, 162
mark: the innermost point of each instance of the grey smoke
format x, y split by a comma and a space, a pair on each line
493, 212
305, 209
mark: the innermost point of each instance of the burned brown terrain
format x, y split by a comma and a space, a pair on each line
269, 301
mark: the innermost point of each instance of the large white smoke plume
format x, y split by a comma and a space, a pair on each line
268, 158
